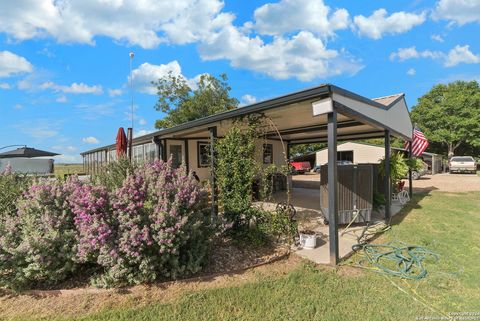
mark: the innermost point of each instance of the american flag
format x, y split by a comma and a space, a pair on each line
419, 143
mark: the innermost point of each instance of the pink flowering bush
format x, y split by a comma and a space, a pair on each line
37, 242
151, 226
93, 221
160, 229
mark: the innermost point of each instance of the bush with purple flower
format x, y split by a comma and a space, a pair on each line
153, 226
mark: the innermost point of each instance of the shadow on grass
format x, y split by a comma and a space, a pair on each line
418, 195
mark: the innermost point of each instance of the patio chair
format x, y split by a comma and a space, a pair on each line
402, 195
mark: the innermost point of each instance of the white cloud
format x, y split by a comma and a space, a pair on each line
146, 23
40, 128
90, 140
18, 106
458, 11
142, 132
411, 72
5, 86
403, 54
146, 73
296, 15
298, 48
248, 100
74, 88
61, 99
12, 64
457, 55
114, 92
142, 121
95, 111
379, 23
437, 38
303, 56
461, 54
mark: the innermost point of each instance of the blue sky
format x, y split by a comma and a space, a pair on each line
64, 65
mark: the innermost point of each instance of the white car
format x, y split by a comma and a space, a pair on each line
462, 164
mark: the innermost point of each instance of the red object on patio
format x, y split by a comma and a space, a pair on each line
121, 142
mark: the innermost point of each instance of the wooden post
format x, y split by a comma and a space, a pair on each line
332, 187
130, 141
388, 181
213, 179
164, 150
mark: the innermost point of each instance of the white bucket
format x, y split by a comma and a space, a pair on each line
308, 241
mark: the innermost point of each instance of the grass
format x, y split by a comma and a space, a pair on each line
62, 169
445, 223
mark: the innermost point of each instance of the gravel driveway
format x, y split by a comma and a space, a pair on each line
438, 182
448, 183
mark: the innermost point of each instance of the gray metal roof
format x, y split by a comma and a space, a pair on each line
317, 92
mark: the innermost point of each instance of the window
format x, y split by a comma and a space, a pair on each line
203, 150
345, 156
150, 152
138, 153
112, 155
267, 153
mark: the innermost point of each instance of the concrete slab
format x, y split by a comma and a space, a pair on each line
307, 203
321, 254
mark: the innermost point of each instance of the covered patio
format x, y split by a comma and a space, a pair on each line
325, 113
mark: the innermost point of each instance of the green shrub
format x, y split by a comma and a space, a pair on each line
113, 174
279, 223
398, 167
236, 170
11, 188
415, 164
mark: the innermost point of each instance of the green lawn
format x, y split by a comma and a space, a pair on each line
444, 223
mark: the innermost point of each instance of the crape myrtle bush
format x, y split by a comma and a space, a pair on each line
152, 226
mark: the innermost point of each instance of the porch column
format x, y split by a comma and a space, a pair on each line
213, 181
332, 187
288, 151
410, 181
388, 182
164, 150
185, 145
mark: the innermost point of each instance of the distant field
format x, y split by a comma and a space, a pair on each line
62, 169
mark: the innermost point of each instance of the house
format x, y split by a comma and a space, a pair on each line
361, 153
325, 113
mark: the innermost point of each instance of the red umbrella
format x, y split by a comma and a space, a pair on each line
121, 142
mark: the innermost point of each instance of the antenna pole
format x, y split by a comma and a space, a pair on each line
130, 130
131, 84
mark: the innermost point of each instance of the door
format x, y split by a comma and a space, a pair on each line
176, 154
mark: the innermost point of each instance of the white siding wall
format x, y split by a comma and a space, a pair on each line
361, 153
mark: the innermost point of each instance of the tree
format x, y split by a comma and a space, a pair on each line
450, 114
182, 104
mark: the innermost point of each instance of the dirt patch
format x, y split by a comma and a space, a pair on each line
227, 256
350, 271
82, 302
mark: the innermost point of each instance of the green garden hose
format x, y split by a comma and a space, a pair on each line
396, 259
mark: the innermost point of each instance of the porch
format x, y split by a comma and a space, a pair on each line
325, 113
